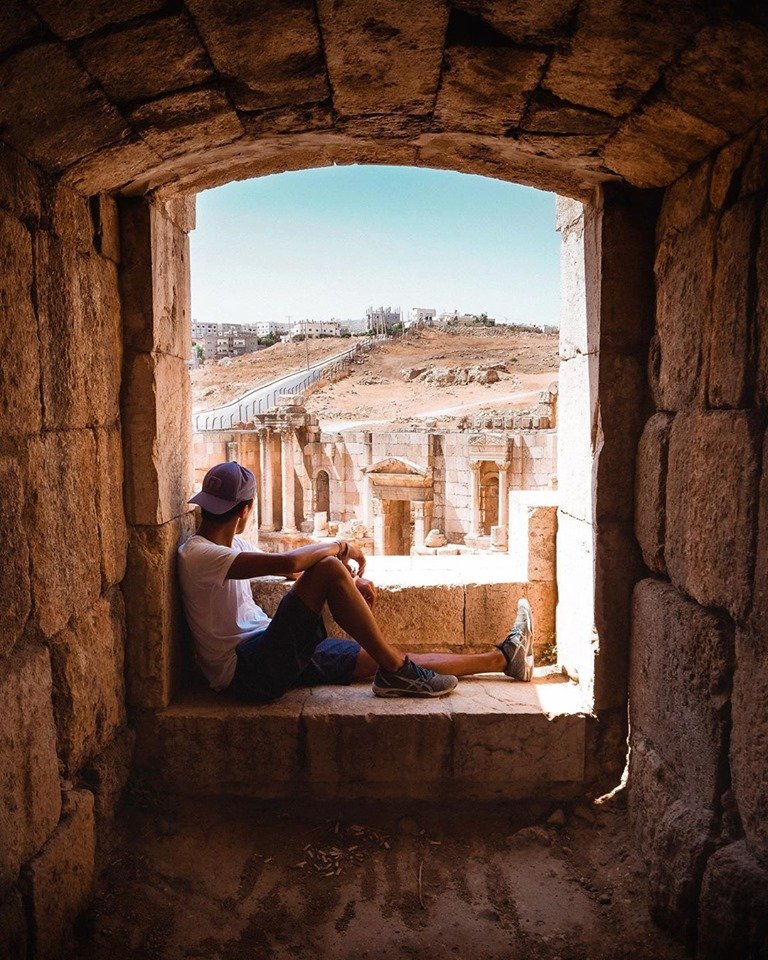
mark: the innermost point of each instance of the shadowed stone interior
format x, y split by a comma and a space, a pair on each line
652, 114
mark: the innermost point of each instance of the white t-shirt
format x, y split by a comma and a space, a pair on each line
220, 612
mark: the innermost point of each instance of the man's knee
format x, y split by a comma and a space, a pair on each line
330, 568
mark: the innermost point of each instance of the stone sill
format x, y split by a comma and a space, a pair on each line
493, 738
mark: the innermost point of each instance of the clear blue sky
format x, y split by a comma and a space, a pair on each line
333, 241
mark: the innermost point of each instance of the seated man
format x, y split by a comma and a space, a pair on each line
241, 650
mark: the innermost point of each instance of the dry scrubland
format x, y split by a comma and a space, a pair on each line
376, 388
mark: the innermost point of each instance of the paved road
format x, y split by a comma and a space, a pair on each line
264, 397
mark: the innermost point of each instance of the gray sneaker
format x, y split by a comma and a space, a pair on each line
411, 680
517, 646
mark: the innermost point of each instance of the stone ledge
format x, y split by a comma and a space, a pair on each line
493, 738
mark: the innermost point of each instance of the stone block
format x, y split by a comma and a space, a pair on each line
156, 438
486, 89
726, 170
515, 752
749, 737
542, 596
19, 185
578, 395
216, 747
356, 744
82, 19
88, 686
184, 122
62, 477
733, 906
30, 801
14, 571
374, 69
681, 661
685, 201
113, 531
59, 880
107, 775
650, 490
684, 276
56, 114
13, 926
276, 56
711, 512
416, 617
131, 63
761, 313
20, 410
759, 612
730, 336
269, 591
102, 319
70, 218
156, 633
154, 279
708, 78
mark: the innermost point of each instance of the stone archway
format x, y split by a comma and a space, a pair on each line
322, 498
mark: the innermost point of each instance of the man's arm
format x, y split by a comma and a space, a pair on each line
247, 564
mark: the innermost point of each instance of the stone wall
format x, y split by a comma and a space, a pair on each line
64, 743
698, 691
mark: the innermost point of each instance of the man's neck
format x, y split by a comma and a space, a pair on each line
221, 533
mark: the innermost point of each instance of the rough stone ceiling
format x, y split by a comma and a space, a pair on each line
139, 95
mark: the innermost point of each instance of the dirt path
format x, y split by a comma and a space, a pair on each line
229, 881
528, 362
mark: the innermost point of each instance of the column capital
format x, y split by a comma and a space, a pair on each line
474, 466
504, 465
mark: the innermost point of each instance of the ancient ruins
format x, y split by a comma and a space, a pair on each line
649, 120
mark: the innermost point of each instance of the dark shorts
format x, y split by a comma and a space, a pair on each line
294, 651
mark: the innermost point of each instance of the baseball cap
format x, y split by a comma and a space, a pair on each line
224, 486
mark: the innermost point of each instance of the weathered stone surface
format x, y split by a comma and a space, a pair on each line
106, 226
430, 616
749, 736
13, 926
156, 438
542, 595
20, 411
14, 571
683, 305
354, 741
55, 114
107, 775
733, 906
759, 612
651, 490
730, 340
712, 507
102, 327
577, 409
542, 533
527, 20
267, 60
212, 745
710, 79
387, 63
113, 531
17, 23
19, 184
685, 200
115, 166
154, 280
726, 170
71, 20
133, 63
547, 113
29, 772
61, 472
616, 56
155, 633
660, 143
761, 313
59, 881
680, 677
485, 88
187, 121
70, 218
575, 615
88, 695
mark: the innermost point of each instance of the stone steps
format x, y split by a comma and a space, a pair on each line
491, 739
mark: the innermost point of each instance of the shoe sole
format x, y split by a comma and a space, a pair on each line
424, 694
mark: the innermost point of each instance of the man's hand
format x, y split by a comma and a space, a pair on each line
367, 590
356, 554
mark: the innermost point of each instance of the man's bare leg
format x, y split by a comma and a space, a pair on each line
329, 581
455, 664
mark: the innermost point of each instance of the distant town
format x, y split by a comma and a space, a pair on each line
214, 341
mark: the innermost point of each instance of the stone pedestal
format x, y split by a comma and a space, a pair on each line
320, 526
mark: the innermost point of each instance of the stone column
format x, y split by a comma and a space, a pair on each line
289, 480
367, 485
265, 454
378, 527
474, 499
503, 522
419, 514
